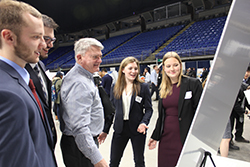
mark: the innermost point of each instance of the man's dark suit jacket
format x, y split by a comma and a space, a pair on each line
186, 108
39, 90
25, 138
106, 83
137, 114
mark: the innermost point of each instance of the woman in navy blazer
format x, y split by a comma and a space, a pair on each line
132, 101
179, 97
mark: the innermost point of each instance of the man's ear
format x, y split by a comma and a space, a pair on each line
79, 57
8, 36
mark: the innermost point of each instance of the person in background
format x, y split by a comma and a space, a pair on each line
225, 145
239, 116
188, 72
179, 97
247, 76
82, 116
193, 72
26, 138
114, 75
132, 101
147, 76
57, 81
226, 142
98, 78
204, 74
142, 77
159, 78
38, 75
154, 82
106, 80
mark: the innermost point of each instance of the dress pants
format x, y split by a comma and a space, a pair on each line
72, 156
56, 109
156, 90
239, 124
119, 142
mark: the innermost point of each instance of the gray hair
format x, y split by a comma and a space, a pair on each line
83, 44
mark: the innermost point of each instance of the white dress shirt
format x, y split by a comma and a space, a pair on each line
126, 99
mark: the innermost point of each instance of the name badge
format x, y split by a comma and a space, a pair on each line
188, 95
138, 99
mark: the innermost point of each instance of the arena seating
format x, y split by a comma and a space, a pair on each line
142, 45
113, 42
201, 38
55, 54
61, 60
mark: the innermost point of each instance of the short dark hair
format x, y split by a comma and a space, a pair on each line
248, 68
49, 22
104, 69
59, 74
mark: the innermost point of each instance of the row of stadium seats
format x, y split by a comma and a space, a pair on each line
201, 38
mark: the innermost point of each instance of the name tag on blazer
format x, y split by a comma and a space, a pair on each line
138, 99
188, 95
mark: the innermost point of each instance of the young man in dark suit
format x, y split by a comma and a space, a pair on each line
38, 75
238, 116
25, 138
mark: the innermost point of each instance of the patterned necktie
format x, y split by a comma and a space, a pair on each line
41, 81
33, 89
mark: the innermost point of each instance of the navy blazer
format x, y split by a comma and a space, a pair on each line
186, 108
106, 83
25, 139
47, 105
140, 110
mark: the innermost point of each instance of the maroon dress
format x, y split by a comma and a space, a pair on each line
170, 143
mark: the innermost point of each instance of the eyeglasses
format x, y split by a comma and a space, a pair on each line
96, 57
48, 39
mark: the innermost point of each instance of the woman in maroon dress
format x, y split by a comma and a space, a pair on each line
179, 97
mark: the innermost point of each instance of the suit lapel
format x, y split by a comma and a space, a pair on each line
43, 70
132, 101
37, 83
121, 106
183, 89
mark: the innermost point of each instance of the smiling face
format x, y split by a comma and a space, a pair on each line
29, 42
130, 71
49, 33
172, 68
247, 75
91, 60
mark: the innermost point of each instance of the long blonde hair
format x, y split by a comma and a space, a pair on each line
166, 84
121, 81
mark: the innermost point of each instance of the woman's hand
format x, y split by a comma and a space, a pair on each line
152, 144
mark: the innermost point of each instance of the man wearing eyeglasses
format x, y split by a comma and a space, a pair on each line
82, 117
38, 75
